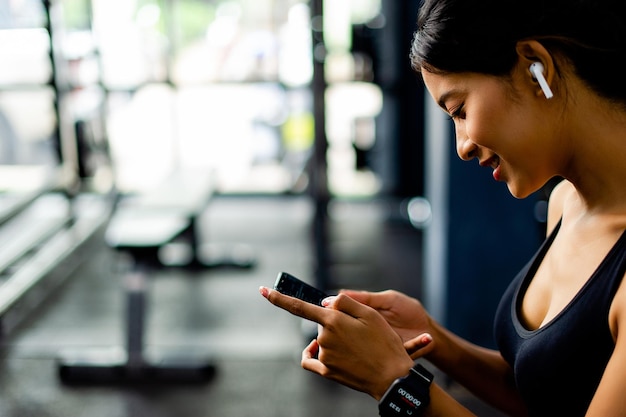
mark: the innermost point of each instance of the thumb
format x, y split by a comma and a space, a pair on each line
372, 299
419, 346
346, 304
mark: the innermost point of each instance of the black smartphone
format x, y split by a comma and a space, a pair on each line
289, 285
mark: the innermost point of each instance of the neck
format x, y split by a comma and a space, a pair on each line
597, 153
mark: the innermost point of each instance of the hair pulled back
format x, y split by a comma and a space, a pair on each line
481, 36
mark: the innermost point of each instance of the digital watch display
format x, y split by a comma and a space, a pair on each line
407, 396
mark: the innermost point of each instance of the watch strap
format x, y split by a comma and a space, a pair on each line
421, 381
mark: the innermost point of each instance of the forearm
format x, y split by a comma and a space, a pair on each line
482, 371
443, 405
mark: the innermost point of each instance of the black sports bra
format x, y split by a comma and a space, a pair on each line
558, 367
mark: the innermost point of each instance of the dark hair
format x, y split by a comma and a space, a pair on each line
481, 35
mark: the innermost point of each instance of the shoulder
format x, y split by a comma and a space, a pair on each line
558, 196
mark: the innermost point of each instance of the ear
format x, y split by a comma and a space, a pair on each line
529, 52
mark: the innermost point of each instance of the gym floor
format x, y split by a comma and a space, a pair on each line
215, 313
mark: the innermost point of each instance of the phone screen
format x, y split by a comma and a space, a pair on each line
289, 285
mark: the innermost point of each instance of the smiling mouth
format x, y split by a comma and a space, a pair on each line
492, 162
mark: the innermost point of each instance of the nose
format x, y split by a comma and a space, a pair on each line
465, 148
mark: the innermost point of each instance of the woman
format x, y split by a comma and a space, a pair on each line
536, 91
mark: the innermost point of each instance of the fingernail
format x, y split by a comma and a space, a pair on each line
427, 339
327, 302
264, 291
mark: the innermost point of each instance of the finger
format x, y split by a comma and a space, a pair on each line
311, 351
309, 358
294, 305
419, 346
419, 342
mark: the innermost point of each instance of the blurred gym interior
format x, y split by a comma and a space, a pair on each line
162, 159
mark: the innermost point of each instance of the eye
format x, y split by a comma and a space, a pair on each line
456, 113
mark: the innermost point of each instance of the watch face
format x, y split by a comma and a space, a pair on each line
407, 396
401, 402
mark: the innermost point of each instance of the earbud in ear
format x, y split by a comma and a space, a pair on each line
536, 69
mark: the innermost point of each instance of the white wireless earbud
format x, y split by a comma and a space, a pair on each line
536, 69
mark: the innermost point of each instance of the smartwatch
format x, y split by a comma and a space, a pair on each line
407, 396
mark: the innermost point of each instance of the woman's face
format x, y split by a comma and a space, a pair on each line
500, 123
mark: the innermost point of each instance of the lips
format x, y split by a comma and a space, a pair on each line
494, 163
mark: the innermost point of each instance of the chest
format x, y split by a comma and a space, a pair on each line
573, 258
546, 363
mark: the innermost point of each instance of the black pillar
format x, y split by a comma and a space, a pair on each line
399, 150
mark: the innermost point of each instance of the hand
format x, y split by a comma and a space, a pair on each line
355, 346
404, 314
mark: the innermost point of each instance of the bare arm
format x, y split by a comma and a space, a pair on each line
610, 398
483, 371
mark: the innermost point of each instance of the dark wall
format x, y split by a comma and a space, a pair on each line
491, 236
